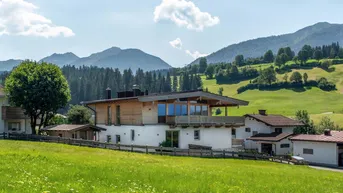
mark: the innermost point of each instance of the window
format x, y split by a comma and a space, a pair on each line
196, 134
109, 115
278, 130
13, 126
192, 110
248, 129
204, 111
73, 136
132, 135
108, 138
171, 110
184, 110
178, 110
308, 151
286, 145
233, 131
161, 109
198, 110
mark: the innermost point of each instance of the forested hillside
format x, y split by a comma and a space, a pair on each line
315, 35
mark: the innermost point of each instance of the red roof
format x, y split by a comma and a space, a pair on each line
334, 137
276, 120
273, 137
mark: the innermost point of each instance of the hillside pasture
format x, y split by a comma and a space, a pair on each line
46, 167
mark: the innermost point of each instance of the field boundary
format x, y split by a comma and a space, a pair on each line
202, 153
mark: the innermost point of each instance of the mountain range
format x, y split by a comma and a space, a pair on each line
319, 34
113, 57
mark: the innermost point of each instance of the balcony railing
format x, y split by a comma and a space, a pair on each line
208, 120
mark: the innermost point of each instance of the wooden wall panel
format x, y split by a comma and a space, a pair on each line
149, 113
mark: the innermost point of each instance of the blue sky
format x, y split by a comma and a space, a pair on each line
86, 26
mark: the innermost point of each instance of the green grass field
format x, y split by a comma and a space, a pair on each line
287, 102
44, 167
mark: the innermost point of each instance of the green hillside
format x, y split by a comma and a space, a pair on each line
43, 167
287, 101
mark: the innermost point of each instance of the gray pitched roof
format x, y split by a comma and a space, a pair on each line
276, 120
69, 127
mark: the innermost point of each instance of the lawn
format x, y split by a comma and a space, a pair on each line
43, 167
286, 101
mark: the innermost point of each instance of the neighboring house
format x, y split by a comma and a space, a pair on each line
13, 119
268, 133
325, 149
180, 118
86, 132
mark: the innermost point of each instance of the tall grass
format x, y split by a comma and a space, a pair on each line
43, 167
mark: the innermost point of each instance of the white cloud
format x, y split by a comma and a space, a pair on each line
184, 14
177, 43
18, 17
196, 54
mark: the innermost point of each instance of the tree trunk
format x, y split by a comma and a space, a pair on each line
33, 124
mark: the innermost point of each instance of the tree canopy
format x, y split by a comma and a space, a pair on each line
40, 89
78, 114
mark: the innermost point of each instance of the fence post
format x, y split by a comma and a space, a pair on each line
211, 153
174, 151
119, 146
233, 154
189, 153
131, 147
224, 153
146, 149
200, 152
161, 150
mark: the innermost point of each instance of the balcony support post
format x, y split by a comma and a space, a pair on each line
225, 111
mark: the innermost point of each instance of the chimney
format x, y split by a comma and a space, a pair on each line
327, 132
108, 93
262, 112
136, 90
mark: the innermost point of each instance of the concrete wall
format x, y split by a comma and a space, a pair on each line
283, 151
323, 153
153, 135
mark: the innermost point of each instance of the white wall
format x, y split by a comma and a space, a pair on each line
323, 153
25, 126
283, 151
284, 129
153, 135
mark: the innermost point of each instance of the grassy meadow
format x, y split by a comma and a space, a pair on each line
287, 101
46, 167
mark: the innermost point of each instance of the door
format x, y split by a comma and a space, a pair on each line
267, 148
172, 138
118, 114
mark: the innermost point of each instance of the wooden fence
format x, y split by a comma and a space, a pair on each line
204, 153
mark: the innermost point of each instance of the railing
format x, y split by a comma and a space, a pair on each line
205, 153
210, 120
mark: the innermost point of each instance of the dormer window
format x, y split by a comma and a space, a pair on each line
278, 130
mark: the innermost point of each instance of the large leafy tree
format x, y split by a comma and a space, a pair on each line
296, 77
40, 89
202, 65
308, 127
268, 56
79, 115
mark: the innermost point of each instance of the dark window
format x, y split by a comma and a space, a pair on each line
196, 134
60, 135
204, 111
278, 130
73, 136
109, 138
109, 115
233, 131
308, 151
117, 138
286, 145
171, 110
248, 129
132, 135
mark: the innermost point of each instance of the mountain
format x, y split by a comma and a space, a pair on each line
113, 57
61, 59
319, 34
123, 59
9, 64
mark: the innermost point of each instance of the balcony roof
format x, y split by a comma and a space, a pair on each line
198, 94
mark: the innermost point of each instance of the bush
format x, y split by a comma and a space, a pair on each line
166, 143
218, 111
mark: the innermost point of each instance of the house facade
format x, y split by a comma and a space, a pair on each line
325, 149
268, 133
13, 119
179, 119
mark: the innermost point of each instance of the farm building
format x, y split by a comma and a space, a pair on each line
325, 149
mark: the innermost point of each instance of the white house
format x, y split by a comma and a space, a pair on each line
179, 119
268, 133
13, 119
325, 149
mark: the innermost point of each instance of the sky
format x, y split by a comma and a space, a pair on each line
177, 31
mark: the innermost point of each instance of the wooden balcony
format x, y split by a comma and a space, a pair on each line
197, 120
13, 113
